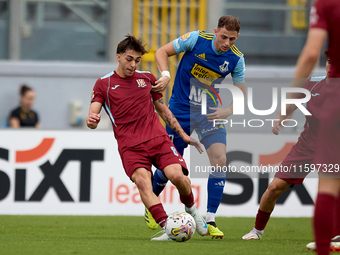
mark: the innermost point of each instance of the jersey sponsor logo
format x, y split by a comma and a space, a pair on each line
115, 87
201, 56
141, 83
184, 37
204, 74
195, 96
224, 67
315, 94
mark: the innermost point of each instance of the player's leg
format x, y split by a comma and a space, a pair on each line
325, 212
142, 178
298, 157
267, 203
183, 184
215, 145
137, 166
217, 156
335, 243
214, 139
159, 178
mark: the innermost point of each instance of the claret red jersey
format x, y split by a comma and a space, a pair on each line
317, 87
325, 14
129, 104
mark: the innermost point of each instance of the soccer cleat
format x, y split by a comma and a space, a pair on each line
335, 245
253, 234
149, 220
213, 230
162, 237
311, 246
201, 225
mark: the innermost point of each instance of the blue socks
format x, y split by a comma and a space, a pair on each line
215, 192
159, 182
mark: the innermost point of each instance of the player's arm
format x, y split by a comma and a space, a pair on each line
309, 55
279, 118
162, 55
307, 59
170, 119
94, 116
184, 43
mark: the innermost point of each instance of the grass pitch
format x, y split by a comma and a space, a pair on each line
35, 235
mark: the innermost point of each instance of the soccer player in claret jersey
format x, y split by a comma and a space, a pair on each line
208, 58
301, 156
142, 140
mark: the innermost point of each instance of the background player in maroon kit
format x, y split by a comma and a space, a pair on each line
142, 140
324, 22
301, 154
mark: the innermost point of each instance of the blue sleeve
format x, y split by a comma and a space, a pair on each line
238, 72
186, 42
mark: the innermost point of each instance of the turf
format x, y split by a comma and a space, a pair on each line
129, 235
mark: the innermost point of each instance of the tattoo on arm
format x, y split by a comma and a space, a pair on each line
168, 120
161, 101
177, 131
172, 122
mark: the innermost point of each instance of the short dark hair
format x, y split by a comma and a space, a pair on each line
230, 23
131, 43
24, 89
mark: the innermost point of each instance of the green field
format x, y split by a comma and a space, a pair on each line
129, 235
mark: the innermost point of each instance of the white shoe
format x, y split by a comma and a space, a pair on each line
201, 225
335, 245
311, 246
162, 237
253, 234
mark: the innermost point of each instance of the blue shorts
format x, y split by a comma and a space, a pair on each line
193, 120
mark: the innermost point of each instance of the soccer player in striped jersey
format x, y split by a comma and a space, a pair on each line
208, 58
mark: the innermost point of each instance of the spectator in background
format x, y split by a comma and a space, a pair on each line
24, 116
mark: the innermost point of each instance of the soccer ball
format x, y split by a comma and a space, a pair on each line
180, 226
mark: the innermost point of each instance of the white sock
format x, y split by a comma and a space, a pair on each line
258, 231
187, 209
210, 217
